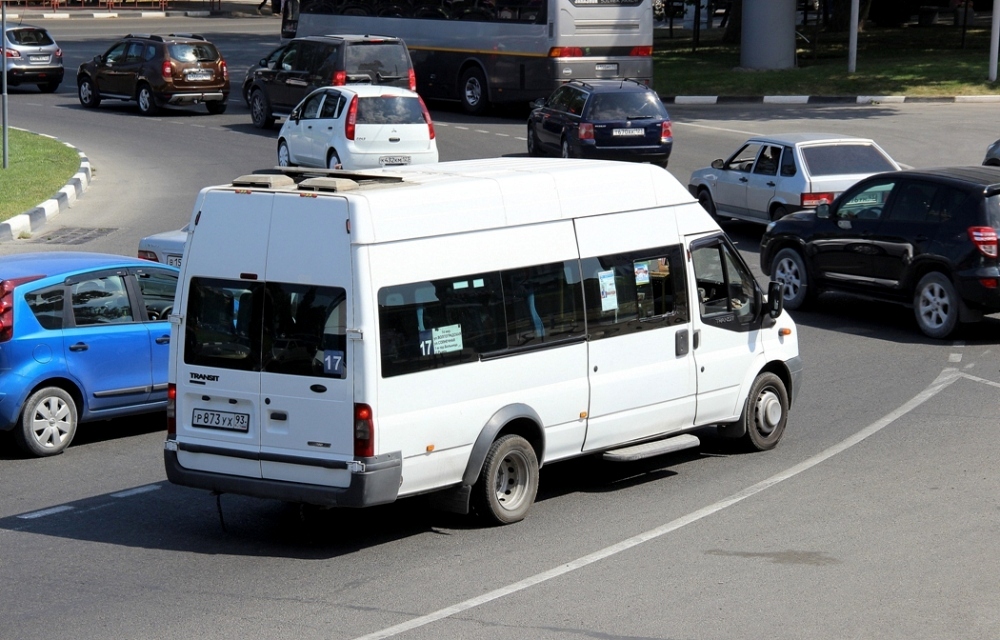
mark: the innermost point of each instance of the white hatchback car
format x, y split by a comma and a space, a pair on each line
358, 127
771, 176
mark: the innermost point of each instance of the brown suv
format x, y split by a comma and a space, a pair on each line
176, 69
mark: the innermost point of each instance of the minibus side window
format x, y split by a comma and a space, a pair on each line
305, 332
634, 291
544, 303
223, 326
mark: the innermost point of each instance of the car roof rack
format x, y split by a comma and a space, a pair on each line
147, 36
193, 36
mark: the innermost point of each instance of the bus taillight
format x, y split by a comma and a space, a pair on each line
339, 78
644, 52
570, 52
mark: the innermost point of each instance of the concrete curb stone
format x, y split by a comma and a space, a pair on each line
35, 218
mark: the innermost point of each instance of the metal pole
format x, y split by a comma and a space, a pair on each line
995, 41
3, 82
852, 52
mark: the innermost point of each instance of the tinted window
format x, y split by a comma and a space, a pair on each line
390, 110
559, 99
788, 162
30, 37
625, 106
544, 304
224, 324
388, 60
115, 53
47, 305
993, 211
200, 52
332, 106
830, 160
913, 202
101, 300
134, 53
577, 100
865, 203
158, 289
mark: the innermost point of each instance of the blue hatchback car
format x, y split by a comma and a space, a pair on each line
83, 336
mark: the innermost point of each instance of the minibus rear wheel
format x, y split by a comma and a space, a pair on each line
508, 481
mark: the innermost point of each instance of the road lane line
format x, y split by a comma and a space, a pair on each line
706, 126
136, 491
45, 512
944, 380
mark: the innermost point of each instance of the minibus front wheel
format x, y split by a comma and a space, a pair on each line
508, 481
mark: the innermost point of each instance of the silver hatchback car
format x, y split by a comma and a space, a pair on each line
33, 57
771, 176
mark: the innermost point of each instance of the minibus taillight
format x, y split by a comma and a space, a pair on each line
666, 132
427, 117
7, 305
811, 200
352, 118
985, 239
644, 52
339, 78
413, 80
565, 52
586, 131
364, 431
171, 410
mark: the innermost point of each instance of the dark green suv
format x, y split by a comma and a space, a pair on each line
154, 70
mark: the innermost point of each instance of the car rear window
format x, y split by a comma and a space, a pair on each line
625, 106
386, 59
390, 110
194, 52
831, 160
29, 37
993, 211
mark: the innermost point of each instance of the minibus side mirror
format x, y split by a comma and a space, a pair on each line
775, 300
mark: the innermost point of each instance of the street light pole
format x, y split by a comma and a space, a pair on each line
3, 82
995, 40
852, 47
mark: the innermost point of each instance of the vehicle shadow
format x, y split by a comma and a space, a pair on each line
91, 433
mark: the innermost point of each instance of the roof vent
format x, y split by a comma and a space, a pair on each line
264, 181
328, 184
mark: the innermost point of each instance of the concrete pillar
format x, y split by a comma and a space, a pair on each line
768, 38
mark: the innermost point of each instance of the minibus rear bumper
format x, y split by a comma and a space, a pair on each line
376, 483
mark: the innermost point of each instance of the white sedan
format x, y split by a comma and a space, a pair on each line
166, 247
771, 176
358, 127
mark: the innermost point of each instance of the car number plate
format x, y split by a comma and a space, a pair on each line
199, 74
628, 132
174, 261
41, 58
388, 161
606, 66
221, 420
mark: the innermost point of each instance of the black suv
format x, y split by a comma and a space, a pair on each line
154, 70
291, 72
925, 238
607, 119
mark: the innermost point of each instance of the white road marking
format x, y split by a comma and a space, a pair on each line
45, 512
705, 126
955, 357
136, 491
945, 379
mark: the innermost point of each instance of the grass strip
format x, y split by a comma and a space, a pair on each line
37, 168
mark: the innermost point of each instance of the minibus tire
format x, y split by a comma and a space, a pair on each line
508, 481
765, 412
52, 405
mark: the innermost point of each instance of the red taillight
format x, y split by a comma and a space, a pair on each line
413, 80
58, 53
166, 70
225, 69
645, 51
989, 283
811, 200
352, 118
585, 131
171, 410
339, 78
666, 132
147, 255
427, 117
7, 305
985, 239
565, 52
13, 53
364, 431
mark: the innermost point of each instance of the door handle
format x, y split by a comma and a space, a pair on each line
279, 415
79, 346
771, 183
318, 388
743, 180
163, 340
697, 338
681, 343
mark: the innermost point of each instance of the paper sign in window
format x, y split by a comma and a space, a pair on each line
641, 272
609, 294
441, 340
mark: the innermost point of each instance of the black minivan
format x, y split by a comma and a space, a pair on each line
288, 74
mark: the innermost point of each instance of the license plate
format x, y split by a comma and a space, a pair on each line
199, 74
38, 58
388, 161
174, 261
606, 66
221, 420
628, 132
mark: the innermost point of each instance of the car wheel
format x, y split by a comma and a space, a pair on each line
473, 91
706, 202
217, 107
534, 147
789, 269
49, 87
508, 481
260, 110
48, 422
765, 412
88, 94
935, 305
284, 155
144, 97
779, 212
333, 160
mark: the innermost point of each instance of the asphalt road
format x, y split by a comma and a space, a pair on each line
874, 518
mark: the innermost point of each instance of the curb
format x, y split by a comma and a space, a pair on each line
826, 99
34, 219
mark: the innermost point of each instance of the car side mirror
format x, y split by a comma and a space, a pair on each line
99, 59
295, 115
718, 163
538, 103
823, 210
775, 300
